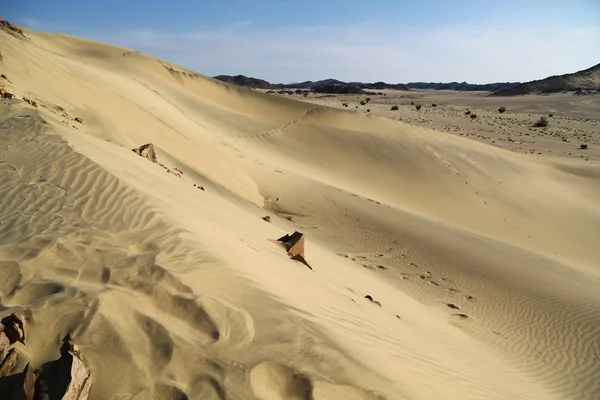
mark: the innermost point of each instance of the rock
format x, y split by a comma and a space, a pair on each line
32, 102
14, 327
7, 26
9, 363
294, 244
77, 119
4, 346
66, 378
4, 77
7, 95
147, 150
22, 387
583, 146
267, 218
370, 298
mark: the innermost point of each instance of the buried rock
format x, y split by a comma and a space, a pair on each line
372, 300
294, 244
147, 151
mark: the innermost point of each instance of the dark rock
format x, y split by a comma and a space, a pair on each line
7, 95
147, 151
267, 218
77, 119
14, 327
453, 306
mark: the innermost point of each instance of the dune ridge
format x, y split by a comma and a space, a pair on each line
483, 260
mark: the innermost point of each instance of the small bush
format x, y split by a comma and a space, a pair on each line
394, 108
541, 123
418, 107
434, 105
473, 116
583, 146
368, 99
305, 94
501, 110
551, 115
468, 112
368, 110
412, 103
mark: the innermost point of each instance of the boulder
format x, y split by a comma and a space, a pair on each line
147, 151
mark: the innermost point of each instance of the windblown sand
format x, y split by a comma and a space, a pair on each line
485, 261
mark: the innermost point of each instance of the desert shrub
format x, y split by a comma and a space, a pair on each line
368, 110
583, 146
394, 108
473, 116
362, 102
412, 103
501, 110
368, 99
434, 105
551, 115
305, 94
468, 112
541, 123
418, 107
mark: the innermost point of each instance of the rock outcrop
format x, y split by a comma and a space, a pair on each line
64, 379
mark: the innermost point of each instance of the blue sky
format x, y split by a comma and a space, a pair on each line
366, 40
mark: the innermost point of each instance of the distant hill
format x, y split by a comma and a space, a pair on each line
337, 86
463, 86
245, 81
584, 81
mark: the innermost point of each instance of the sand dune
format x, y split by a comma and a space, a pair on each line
480, 262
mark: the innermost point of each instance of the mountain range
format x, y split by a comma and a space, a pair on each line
334, 84
582, 82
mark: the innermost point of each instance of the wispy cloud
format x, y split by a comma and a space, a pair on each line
369, 53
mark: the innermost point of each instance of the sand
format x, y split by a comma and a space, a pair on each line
481, 263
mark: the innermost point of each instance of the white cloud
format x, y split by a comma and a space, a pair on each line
371, 53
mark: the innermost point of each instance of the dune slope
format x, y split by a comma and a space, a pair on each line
483, 261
